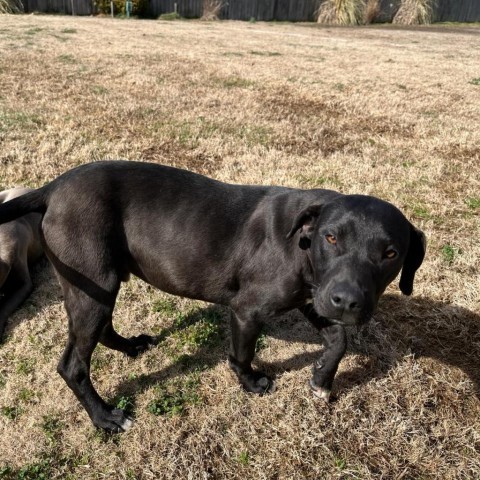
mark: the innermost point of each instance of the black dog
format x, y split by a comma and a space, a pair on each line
260, 250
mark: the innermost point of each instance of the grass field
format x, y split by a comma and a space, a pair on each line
383, 111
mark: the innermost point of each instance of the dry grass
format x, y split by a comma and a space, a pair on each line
415, 12
342, 12
384, 111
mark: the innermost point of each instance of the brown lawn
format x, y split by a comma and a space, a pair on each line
383, 111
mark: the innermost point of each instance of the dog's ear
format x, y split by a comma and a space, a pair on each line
413, 260
305, 222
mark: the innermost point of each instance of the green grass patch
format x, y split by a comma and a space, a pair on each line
475, 81
12, 413
198, 328
262, 343
340, 463
232, 54
244, 458
6, 472
318, 181
473, 203
26, 395
48, 465
69, 30
22, 120
450, 253
34, 31
254, 135
236, 82
25, 366
41, 470
265, 53
165, 306
170, 16
420, 211
52, 427
125, 402
99, 89
174, 396
187, 133
67, 58
100, 358
189, 332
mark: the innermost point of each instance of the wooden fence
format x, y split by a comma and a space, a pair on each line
261, 10
458, 11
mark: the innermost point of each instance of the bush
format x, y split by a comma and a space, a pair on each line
372, 11
342, 12
139, 7
211, 9
11, 6
415, 12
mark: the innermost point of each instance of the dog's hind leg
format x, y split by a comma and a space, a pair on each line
132, 346
87, 317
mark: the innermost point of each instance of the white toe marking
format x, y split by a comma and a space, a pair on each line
322, 393
127, 424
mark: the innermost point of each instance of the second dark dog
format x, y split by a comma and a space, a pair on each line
260, 250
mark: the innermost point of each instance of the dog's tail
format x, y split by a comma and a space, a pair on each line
34, 201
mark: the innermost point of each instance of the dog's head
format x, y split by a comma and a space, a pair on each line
357, 245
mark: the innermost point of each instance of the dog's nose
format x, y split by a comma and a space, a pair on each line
347, 298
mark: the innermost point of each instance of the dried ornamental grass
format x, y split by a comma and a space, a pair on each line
211, 9
341, 12
11, 6
416, 12
372, 10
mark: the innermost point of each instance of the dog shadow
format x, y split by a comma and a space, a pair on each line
402, 326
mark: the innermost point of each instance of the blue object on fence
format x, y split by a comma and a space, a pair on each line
128, 8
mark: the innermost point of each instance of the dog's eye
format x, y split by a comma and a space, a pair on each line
390, 253
332, 239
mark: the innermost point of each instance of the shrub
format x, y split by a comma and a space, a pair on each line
211, 9
139, 7
342, 12
11, 6
372, 10
415, 12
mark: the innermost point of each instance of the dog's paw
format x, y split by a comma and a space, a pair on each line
140, 344
113, 421
320, 392
257, 382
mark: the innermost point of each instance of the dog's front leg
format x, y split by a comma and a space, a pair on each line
245, 329
335, 345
